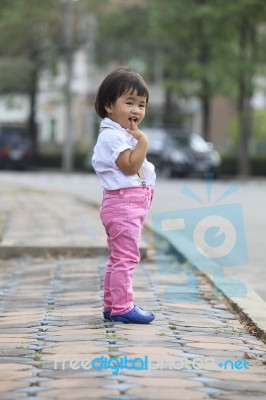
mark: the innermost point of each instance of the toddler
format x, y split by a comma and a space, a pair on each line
128, 181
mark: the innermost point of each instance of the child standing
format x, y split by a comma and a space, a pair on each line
128, 180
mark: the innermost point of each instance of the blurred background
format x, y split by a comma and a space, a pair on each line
204, 62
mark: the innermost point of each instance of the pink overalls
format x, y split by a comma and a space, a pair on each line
123, 213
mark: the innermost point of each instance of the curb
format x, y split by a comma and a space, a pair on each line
58, 251
50, 251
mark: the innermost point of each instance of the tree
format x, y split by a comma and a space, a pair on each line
191, 36
247, 55
123, 37
34, 34
28, 32
212, 47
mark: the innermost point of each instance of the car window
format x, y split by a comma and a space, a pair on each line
156, 138
197, 143
180, 141
13, 136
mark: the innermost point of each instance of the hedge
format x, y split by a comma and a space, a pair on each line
55, 161
230, 165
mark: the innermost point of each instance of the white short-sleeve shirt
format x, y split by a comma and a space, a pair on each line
112, 140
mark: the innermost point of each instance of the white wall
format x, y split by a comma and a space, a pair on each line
14, 109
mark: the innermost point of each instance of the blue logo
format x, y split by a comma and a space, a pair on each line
210, 237
118, 364
238, 364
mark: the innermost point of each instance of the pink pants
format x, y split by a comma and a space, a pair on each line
123, 213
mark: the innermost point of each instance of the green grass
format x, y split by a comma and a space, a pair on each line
37, 357
172, 325
113, 336
112, 349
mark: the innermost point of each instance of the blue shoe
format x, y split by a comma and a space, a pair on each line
136, 316
107, 315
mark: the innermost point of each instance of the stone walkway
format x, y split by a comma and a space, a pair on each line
52, 328
47, 219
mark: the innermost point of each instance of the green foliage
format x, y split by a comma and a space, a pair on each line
28, 32
25, 26
230, 165
259, 124
258, 132
195, 44
123, 36
15, 76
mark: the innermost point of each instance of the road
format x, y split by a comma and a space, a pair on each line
176, 195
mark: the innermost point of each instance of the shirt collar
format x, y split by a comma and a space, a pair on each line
108, 123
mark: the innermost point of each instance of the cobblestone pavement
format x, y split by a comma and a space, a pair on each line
52, 328
43, 218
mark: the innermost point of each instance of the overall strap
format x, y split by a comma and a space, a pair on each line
142, 177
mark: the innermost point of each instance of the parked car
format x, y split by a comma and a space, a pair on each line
16, 150
181, 153
206, 157
164, 152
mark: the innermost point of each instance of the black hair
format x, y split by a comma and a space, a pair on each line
118, 82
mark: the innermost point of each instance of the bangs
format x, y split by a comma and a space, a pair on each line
134, 83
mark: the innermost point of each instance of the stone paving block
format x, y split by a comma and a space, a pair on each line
7, 386
15, 341
74, 348
218, 346
152, 351
14, 352
212, 339
198, 323
73, 338
13, 396
249, 376
250, 387
152, 393
216, 353
89, 392
10, 375
166, 382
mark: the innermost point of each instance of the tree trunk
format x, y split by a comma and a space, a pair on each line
244, 112
205, 92
169, 117
247, 36
205, 100
32, 123
68, 139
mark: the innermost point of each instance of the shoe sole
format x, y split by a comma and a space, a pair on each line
128, 321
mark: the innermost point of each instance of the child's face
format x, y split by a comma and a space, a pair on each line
127, 107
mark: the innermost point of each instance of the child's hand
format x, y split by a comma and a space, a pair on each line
135, 131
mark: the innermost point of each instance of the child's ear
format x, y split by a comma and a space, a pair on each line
108, 108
